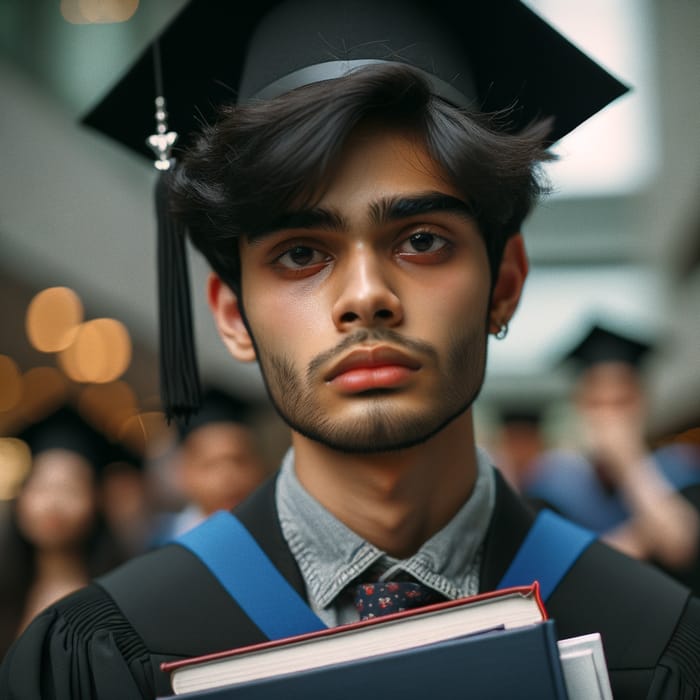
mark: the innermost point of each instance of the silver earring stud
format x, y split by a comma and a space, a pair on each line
502, 331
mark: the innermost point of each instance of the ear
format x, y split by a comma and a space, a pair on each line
509, 283
226, 311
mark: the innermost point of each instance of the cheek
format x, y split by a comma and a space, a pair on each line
455, 301
287, 323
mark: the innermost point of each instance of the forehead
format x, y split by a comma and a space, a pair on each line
607, 377
377, 161
56, 467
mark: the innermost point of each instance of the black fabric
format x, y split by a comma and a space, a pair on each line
259, 514
689, 574
79, 649
108, 639
176, 619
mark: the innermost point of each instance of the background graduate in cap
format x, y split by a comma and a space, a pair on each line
645, 504
218, 461
57, 538
361, 213
519, 439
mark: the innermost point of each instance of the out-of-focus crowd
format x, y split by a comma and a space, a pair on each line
86, 504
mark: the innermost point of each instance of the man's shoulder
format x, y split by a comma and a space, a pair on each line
632, 604
176, 604
642, 614
74, 648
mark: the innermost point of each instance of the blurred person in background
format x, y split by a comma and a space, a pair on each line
56, 539
518, 442
642, 502
218, 462
127, 502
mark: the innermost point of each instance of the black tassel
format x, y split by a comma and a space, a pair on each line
179, 377
180, 389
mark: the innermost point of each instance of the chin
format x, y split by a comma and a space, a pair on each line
376, 430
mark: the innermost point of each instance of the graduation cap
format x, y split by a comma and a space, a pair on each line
602, 344
122, 458
65, 429
217, 406
487, 55
521, 414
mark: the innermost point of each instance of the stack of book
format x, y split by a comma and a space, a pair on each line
493, 645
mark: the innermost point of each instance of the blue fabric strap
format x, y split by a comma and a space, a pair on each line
229, 551
549, 550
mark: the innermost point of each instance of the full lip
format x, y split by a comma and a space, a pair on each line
368, 358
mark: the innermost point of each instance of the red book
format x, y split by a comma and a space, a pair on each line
507, 609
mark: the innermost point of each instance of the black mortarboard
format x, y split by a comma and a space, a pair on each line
510, 55
521, 414
66, 429
120, 457
217, 406
488, 54
602, 344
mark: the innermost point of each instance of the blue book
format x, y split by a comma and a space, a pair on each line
508, 663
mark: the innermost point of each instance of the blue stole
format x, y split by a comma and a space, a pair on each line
232, 555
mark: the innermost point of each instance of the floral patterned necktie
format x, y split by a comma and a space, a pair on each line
386, 597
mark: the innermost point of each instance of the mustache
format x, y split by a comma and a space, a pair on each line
371, 334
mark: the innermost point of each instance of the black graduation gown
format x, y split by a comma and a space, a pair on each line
107, 640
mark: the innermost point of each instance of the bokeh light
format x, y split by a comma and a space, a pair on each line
15, 462
11, 383
147, 433
98, 11
108, 406
45, 389
100, 353
53, 318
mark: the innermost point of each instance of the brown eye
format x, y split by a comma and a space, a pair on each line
423, 242
300, 256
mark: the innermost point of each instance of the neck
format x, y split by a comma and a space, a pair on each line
60, 564
395, 500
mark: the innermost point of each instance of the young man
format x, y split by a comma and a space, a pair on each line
363, 228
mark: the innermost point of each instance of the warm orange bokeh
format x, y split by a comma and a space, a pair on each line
108, 406
15, 461
53, 318
45, 389
11, 383
98, 11
100, 353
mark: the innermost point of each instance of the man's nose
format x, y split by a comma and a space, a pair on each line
366, 296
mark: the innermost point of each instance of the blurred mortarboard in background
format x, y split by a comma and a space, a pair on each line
65, 429
121, 458
217, 406
602, 344
521, 414
489, 55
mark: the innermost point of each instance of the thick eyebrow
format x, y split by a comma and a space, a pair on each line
381, 212
395, 208
303, 219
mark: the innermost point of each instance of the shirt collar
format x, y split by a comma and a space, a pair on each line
330, 555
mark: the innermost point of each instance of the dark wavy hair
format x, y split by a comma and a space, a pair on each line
263, 159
